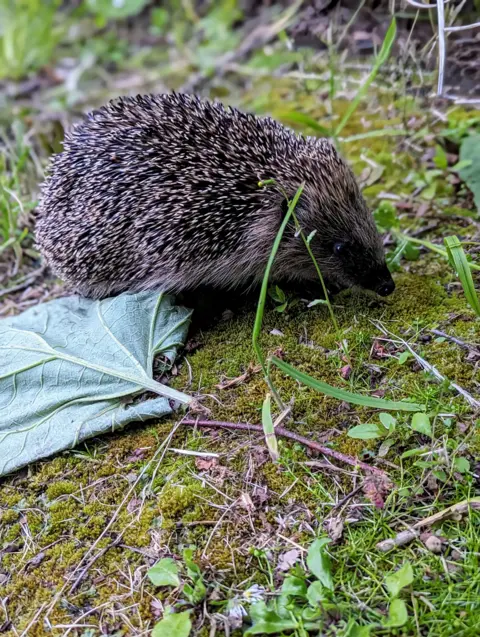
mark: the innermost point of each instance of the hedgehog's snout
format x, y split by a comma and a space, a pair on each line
380, 281
385, 289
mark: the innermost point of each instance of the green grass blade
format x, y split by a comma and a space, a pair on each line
458, 260
431, 246
342, 394
296, 117
382, 132
263, 291
269, 429
381, 58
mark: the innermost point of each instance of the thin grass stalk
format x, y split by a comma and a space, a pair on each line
379, 61
263, 295
320, 276
431, 246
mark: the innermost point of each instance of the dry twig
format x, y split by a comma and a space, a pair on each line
285, 433
456, 511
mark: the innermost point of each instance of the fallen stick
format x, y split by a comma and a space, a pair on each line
285, 433
404, 537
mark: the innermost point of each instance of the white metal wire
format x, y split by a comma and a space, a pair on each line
442, 32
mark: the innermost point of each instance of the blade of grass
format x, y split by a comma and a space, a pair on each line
382, 132
269, 429
381, 58
458, 260
263, 295
342, 394
295, 117
322, 282
431, 246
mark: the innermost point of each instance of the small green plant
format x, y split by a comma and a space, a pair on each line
395, 583
280, 298
185, 575
421, 423
28, 36
304, 597
173, 624
371, 430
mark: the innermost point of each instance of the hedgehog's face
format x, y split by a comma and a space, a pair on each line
343, 236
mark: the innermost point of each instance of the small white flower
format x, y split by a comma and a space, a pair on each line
235, 610
254, 594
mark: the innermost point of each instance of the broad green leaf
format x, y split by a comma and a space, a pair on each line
440, 158
366, 431
312, 614
294, 586
461, 164
398, 580
421, 423
173, 625
115, 9
413, 452
462, 465
354, 630
199, 591
388, 421
411, 252
164, 573
440, 475
385, 215
458, 260
277, 294
342, 394
470, 151
267, 622
272, 627
71, 367
397, 614
404, 356
316, 593
318, 561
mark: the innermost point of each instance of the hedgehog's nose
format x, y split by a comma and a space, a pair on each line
386, 288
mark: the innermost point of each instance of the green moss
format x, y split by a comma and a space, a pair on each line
8, 516
174, 501
62, 487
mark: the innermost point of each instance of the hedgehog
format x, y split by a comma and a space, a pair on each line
173, 192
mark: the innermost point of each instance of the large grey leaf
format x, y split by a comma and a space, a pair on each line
68, 369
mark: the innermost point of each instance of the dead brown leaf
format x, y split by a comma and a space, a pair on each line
376, 488
288, 559
239, 380
205, 464
334, 528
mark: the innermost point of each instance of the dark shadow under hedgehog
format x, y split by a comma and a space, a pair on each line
163, 192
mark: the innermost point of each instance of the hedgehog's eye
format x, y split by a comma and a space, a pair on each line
339, 249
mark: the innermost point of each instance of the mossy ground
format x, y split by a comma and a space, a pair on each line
129, 505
